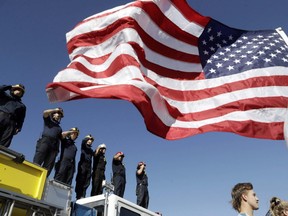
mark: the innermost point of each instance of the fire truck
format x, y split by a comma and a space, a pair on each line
25, 190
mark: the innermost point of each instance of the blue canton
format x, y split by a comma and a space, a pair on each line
225, 51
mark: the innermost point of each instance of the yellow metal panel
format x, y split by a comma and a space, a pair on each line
25, 178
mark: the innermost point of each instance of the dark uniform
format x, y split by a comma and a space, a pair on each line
98, 174
12, 115
119, 177
65, 172
142, 189
84, 170
47, 146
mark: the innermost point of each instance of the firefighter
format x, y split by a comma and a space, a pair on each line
47, 146
84, 167
119, 174
99, 166
12, 112
142, 185
65, 168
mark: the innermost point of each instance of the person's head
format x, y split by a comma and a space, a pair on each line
278, 207
89, 139
74, 132
140, 164
58, 114
243, 196
119, 156
102, 148
17, 91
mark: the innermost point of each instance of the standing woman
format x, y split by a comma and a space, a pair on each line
278, 207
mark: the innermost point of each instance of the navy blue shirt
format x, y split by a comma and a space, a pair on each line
86, 153
13, 106
51, 128
68, 150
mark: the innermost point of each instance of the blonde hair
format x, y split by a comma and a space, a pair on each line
278, 206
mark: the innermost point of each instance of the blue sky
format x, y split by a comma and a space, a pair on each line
191, 176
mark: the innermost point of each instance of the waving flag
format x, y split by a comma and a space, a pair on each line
186, 73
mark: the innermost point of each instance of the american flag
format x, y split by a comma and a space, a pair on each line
186, 73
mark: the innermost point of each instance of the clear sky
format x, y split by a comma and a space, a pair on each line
191, 176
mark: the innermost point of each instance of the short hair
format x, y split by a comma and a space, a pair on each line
236, 194
278, 206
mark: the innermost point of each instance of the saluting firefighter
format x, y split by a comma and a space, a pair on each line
99, 166
65, 168
84, 167
142, 185
47, 146
119, 174
12, 112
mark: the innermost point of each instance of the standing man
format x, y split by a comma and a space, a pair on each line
119, 174
142, 185
12, 112
47, 146
98, 174
244, 199
84, 167
66, 165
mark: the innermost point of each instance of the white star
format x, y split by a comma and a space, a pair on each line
206, 52
230, 67
204, 42
237, 61
254, 57
219, 34
267, 60
261, 52
284, 59
226, 59
209, 61
249, 63
273, 55
212, 70
211, 38
218, 65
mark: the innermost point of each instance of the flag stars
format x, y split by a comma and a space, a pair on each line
211, 38
204, 42
272, 55
230, 67
219, 65
284, 60
237, 61
226, 59
248, 63
212, 71
267, 60
254, 57
219, 34
261, 52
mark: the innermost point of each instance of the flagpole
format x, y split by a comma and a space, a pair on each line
282, 34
